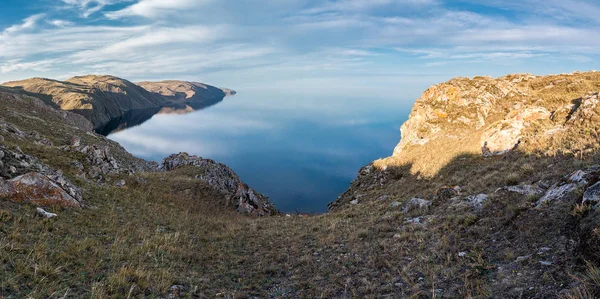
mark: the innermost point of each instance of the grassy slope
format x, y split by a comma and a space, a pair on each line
140, 240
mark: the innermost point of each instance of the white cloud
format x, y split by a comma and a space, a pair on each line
90, 7
156, 8
60, 23
28, 23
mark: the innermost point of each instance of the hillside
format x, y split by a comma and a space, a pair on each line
105, 99
491, 193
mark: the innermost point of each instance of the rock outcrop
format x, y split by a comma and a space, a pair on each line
24, 178
491, 116
245, 199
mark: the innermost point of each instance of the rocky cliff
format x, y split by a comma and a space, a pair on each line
491, 116
102, 99
507, 167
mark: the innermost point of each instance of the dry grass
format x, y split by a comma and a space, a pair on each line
138, 241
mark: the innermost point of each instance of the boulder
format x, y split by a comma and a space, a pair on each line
592, 194
568, 184
120, 183
556, 192
40, 189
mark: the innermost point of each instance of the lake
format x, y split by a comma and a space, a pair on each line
301, 151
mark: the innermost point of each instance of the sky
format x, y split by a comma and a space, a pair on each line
317, 46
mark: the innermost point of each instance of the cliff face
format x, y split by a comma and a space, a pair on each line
104, 98
491, 116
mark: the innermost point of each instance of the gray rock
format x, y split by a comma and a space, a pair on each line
1, 138
556, 192
415, 204
527, 190
40, 212
478, 200
395, 204
120, 183
592, 194
1, 154
416, 220
462, 254
523, 258
545, 263
77, 165
354, 201
383, 197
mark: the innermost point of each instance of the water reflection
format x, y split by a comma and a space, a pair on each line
137, 117
301, 151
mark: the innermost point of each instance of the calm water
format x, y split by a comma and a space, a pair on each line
301, 151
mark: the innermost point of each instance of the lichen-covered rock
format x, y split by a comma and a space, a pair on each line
224, 179
42, 190
25, 177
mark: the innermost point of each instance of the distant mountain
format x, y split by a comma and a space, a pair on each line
105, 99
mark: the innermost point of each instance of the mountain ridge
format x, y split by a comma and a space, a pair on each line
103, 98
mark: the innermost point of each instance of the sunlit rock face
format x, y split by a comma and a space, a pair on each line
492, 116
477, 119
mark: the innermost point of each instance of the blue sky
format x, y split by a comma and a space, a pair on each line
315, 45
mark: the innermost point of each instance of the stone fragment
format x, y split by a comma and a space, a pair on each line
44, 214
